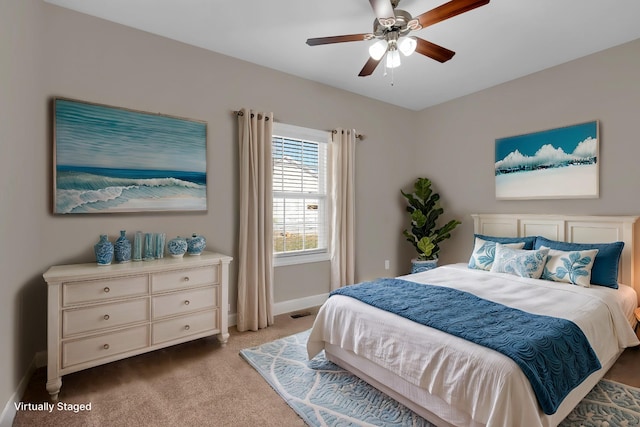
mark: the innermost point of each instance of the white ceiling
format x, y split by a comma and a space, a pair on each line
498, 42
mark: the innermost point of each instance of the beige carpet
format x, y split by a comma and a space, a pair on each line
195, 384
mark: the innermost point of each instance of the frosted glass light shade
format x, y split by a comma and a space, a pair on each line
393, 59
378, 49
407, 45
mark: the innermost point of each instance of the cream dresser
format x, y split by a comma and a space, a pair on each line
98, 314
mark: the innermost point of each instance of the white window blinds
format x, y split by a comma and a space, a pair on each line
300, 211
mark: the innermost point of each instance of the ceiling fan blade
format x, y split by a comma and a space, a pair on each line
448, 10
383, 9
369, 67
339, 39
432, 50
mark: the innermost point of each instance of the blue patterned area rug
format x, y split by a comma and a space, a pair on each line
324, 394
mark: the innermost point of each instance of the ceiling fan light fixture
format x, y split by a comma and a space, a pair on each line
393, 59
378, 49
407, 45
391, 29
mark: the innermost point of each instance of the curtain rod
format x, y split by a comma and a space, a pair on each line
240, 113
359, 136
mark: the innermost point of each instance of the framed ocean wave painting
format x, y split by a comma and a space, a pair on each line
110, 159
551, 164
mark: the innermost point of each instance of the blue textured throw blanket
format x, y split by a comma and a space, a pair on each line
553, 353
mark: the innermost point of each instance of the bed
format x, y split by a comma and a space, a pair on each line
454, 382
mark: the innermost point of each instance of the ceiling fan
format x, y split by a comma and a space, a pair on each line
392, 26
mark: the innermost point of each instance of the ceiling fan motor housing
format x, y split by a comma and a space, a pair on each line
402, 24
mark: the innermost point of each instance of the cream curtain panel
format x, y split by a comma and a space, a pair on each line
342, 154
255, 244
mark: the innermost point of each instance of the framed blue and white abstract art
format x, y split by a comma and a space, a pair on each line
109, 159
551, 164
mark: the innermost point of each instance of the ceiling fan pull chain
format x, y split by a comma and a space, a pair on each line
386, 72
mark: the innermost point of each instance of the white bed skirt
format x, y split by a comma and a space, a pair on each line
436, 410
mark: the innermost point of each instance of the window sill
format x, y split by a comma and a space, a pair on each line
280, 261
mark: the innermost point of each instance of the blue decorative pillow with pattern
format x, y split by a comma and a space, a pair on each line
519, 262
484, 252
569, 266
605, 267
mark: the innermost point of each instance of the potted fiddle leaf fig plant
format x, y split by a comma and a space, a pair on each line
423, 206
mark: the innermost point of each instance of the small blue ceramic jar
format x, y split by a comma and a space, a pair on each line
196, 244
177, 247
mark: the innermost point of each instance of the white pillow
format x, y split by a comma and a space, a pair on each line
519, 262
569, 266
484, 251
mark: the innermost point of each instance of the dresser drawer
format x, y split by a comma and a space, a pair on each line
184, 301
98, 347
100, 290
180, 279
95, 318
183, 326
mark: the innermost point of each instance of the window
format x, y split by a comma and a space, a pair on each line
300, 204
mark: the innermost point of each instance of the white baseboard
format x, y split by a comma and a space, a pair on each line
299, 304
289, 306
9, 411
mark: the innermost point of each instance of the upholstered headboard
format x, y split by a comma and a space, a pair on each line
574, 229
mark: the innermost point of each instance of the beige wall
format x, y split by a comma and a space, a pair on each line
116, 65
23, 192
457, 149
57, 52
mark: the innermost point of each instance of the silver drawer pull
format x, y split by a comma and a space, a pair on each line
106, 317
106, 346
186, 327
186, 302
106, 289
186, 278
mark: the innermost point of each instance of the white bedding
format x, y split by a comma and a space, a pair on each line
481, 382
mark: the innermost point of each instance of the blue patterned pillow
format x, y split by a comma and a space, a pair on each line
569, 266
519, 262
528, 241
605, 267
485, 251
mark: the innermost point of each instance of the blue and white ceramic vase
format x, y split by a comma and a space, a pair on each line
122, 248
418, 266
160, 239
177, 247
196, 244
149, 248
104, 250
137, 246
